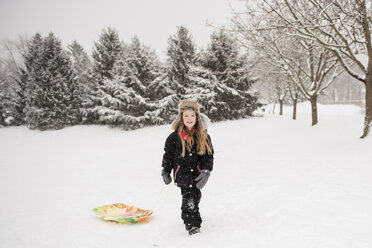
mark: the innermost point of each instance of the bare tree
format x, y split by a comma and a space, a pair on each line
305, 63
341, 26
312, 70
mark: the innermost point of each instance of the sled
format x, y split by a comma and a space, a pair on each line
122, 213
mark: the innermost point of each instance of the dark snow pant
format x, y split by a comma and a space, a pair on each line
190, 207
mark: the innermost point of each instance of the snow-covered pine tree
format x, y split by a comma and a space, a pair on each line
122, 102
223, 59
212, 95
82, 68
107, 50
165, 98
106, 53
173, 79
202, 87
160, 86
155, 78
143, 61
181, 55
81, 63
50, 85
32, 75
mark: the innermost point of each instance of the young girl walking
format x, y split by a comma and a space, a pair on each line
189, 154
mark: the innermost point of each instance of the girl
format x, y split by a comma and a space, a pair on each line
189, 153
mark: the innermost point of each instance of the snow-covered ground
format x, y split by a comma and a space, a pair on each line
276, 183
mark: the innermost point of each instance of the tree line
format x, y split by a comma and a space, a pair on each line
121, 84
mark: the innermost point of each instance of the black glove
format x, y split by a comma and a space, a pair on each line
202, 178
166, 177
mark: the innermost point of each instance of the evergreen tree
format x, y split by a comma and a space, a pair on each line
50, 86
146, 67
128, 74
126, 99
81, 63
160, 86
86, 86
143, 61
223, 60
164, 97
181, 55
120, 102
166, 110
214, 96
106, 52
202, 87
172, 81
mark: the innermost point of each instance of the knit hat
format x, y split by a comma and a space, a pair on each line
188, 104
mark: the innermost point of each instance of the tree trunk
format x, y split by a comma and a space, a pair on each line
281, 107
368, 117
294, 114
314, 110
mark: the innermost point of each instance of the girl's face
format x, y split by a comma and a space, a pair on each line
189, 118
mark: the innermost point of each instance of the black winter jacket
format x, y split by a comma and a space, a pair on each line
185, 169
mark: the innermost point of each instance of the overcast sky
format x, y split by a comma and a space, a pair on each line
153, 21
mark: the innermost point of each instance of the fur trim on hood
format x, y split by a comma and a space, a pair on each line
189, 104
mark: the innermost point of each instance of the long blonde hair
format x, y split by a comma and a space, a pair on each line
202, 143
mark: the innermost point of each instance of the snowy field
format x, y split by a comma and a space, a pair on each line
276, 183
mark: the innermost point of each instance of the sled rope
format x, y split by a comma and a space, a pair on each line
166, 197
159, 196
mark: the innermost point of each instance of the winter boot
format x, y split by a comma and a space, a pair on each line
194, 230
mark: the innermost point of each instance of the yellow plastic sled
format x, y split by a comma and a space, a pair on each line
122, 213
